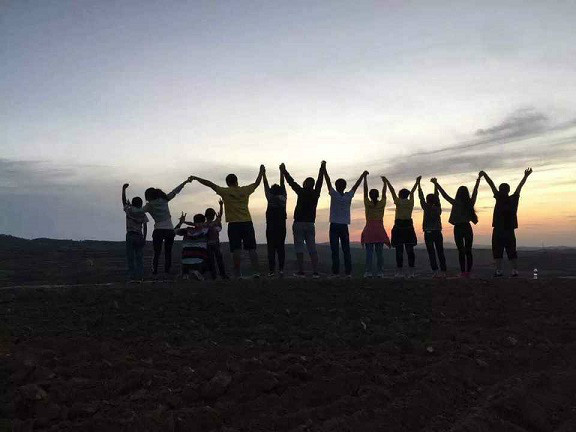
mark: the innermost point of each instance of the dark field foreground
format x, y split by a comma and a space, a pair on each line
421, 355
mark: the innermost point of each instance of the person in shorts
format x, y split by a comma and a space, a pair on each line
505, 222
303, 228
241, 233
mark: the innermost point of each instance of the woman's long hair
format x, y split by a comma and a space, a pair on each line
374, 194
463, 198
154, 193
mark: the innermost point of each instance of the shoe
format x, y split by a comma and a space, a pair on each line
281, 274
463, 275
411, 275
300, 275
368, 275
271, 274
185, 277
334, 276
315, 275
225, 277
498, 274
256, 276
399, 275
348, 276
380, 275
436, 274
514, 274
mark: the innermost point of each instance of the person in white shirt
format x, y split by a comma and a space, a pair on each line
340, 202
136, 230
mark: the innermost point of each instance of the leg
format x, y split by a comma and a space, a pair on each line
249, 239
379, 256
411, 255
512, 252
254, 261
235, 242
168, 244
459, 240
468, 241
429, 240
345, 239
220, 261
157, 240
237, 259
271, 246
281, 247
130, 256
369, 255
334, 247
139, 262
212, 261
440, 251
298, 233
311, 246
399, 256
497, 251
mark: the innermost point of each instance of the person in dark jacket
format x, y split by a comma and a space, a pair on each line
432, 227
276, 224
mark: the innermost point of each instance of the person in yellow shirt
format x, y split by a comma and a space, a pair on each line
240, 227
403, 234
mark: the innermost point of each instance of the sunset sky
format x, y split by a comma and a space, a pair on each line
95, 94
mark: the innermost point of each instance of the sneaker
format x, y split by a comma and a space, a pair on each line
498, 274
436, 274
348, 276
281, 274
315, 275
271, 274
334, 276
411, 275
185, 277
368, 275
399, 275
256, 276
300, 275
380, 275
514, 274
197, 275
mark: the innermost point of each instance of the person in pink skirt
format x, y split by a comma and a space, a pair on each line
374, 236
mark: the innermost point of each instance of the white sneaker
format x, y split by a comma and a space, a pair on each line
316, 276
514, 273
197, 275
271, 274
380, 275
399, 275
256, 276
368, 275
411, 275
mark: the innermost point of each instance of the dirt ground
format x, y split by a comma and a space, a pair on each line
269, 355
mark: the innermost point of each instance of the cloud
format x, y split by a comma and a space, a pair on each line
521, 123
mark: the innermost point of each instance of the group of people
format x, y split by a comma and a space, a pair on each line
201, 243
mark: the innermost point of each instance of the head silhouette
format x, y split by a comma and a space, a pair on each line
154, 193
463, 198
340, 185
232, 180
199, 218
432, 199
374, 194
504, 189
275, 189
463, 194
210, 214
404, 193
137, 202
308, 183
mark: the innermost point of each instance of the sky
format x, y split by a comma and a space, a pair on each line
95, 94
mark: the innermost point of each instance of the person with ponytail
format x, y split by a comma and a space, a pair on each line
374, 235
461, 215
157, 206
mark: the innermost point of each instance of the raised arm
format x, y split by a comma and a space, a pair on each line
261, 174
392, 191
124, 199
365, 188
220, 210
442, 191
384, 188
527, 173
181, 220
282, 185
320, 179
206, 183
328, 181
295, 186
266, 185
362, 177
475, 191
421, 196
489, 181
415, 185
178, 188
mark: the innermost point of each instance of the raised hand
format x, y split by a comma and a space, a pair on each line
191, 179
434, 180
527, 172
384, 179
481, 174
282, 167
182, 218
125, 186
323, 163
365, 173
418, 179
262, 169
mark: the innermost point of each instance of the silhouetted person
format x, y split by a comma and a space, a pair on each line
432, 227
303, 227
157, 206
276, 224
374, 235
403, 234
340, 202
240, 227
505, 222
461, 215
136, 232
194, 246
215, 260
